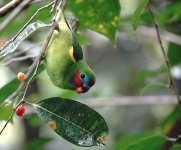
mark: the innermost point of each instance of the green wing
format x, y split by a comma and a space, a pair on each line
78, 54
77, 50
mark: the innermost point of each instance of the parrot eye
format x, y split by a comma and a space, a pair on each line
84, 78
82, 75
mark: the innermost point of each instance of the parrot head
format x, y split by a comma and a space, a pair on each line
83, 82
82, 78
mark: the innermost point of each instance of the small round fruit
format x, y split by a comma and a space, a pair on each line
21, 76
20, 110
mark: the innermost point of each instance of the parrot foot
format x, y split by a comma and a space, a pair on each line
57, 26
42, 56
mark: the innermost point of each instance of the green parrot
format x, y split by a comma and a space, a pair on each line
64, 60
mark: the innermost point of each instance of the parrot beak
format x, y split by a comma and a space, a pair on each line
83, 89
91, 83
79, 90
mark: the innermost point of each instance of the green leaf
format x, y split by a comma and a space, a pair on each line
171, 119
151, 143
153, 86
130, 139
8, 89
5, 111
174, 54
76, 122
1, 58
170, 14
13, 44
37, 144
176, 147
136, 15
146, 19
101, 16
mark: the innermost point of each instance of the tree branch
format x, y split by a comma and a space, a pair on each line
13, 15
130, 101
9, 7
172, 84
167, 36
21, 58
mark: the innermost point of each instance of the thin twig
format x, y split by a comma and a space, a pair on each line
17, 59
9, 57
172, 84
18, 53
32, 17
30, 80
13, 15
54, 5
38, 1
9, 7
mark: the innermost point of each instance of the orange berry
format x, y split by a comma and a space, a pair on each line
20, 110
21, 76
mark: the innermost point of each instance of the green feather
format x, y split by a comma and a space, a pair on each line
60, 68
78, 54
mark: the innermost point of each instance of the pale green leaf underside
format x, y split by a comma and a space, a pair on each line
13, 44
136, 15
76, 122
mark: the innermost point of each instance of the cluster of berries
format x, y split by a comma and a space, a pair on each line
20, 110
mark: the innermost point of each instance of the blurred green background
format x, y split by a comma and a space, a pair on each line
123, 67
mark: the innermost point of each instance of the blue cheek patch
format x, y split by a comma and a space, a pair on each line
85, 80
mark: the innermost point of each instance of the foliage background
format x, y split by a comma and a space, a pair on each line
123, 67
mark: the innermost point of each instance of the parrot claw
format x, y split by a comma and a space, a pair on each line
42, 57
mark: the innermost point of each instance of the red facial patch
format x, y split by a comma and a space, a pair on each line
77, 81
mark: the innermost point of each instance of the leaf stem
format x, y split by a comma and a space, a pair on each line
172, 84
